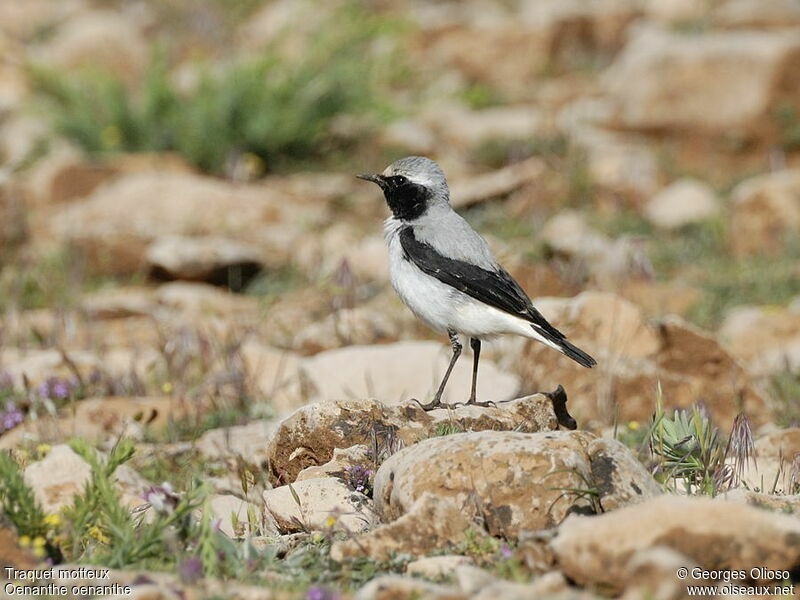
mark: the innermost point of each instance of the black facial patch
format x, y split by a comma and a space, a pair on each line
495, 288
407, 200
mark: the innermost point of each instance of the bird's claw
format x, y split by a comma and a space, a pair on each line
433, 405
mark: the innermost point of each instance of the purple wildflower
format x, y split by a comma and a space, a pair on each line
506, 552
321, 593
162, 498
360, 478
56, 388
191, 570
11, 417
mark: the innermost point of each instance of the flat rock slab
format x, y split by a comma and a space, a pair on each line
308, 436
713, 534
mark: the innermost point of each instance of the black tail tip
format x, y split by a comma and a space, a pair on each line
578, 355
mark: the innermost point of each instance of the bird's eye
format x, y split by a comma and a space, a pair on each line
400, 179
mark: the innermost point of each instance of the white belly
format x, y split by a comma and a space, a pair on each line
442, 307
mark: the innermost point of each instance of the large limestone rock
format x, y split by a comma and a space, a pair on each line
114, 226
308, 436
684, 202
99, 419
634, 356
400, 371
104, 39
765, 210
506, 482
214, 259
712, 534
246, 441
63, 474
713, 82
321, 504
766, 339
516, 479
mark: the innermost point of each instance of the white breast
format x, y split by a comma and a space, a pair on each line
440, 306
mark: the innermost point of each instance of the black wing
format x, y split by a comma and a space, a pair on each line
495, 288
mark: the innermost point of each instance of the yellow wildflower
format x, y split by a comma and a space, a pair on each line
167, 387
330, 521
52, 520
39, 541
43, 449
97, 533
24, 541
633, 425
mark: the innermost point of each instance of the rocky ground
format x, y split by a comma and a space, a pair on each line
206, 380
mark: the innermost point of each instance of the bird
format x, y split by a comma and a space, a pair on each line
445, 272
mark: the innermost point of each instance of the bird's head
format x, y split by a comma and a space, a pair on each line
411, 185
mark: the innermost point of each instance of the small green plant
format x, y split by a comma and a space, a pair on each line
261, 113
17, 502
785, 389
688, 449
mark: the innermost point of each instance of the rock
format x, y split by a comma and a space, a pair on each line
113, 227
413, 137
38, 365
715, 535
765, 339
764, 209
237, 518
464, 128
569, 235
634, 356
396, 587
347, 327
716, 82
56, 478
99, 39
472, 579
496, 184
323, 504
99, 419
119, 303
437, 567
783, 443
203, 299
757, 14
11, 553
620, 479
400, 371
309, 435
26, 20
274, 374
506, 49
428, 525
676, 11
780, 503
650, 573
343, 458
683, 202
522, 490
212, 259
246, 441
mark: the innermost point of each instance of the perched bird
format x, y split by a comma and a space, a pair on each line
446, 274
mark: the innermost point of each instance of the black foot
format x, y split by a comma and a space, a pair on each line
486, 404
433, 405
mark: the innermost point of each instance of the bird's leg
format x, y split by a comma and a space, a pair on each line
437, 399
475, 344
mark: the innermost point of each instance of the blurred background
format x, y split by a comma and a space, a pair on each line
179, 217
